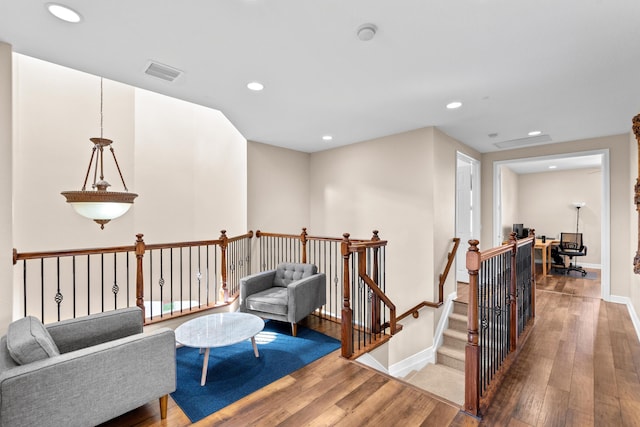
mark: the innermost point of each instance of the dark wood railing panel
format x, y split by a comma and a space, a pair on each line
501, 306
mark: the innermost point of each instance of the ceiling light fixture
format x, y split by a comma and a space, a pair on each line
535, 133
99, 204
453, 105
64, 13
552, 167
255, 86
366, 32
327, 138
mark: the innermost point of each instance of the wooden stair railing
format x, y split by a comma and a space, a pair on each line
84, 278
415, 311
371, 327
501, 311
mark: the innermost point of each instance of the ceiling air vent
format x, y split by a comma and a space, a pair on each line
524, 142
162, 71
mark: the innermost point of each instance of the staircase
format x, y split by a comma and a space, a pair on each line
445, 378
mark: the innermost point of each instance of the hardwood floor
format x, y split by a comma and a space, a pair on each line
579, 367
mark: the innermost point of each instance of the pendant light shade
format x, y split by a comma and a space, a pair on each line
99, 204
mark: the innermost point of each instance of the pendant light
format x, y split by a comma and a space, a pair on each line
99, 204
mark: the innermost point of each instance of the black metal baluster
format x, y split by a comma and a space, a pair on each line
58, 297
151, 284
73, 267
161, 283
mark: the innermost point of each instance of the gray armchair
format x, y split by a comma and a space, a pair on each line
289, 293
83, 371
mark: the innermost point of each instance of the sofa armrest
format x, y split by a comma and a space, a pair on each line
253, 284
91, 385
74, 334
306, 295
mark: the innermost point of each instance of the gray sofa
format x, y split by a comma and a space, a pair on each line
289, 293
83, 371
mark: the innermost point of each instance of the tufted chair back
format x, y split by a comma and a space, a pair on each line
288, 272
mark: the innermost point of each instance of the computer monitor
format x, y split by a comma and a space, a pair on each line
519, 230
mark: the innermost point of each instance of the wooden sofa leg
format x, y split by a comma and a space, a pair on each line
294, 329
163, 406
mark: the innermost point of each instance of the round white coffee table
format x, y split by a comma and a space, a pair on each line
219, 330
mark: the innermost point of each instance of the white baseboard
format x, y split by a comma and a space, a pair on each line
370, 361
428, 355
632, 311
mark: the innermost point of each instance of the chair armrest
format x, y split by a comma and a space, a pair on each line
306, 295
74, 334
253, 284
91, 385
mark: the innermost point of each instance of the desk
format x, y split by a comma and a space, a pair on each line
545, 248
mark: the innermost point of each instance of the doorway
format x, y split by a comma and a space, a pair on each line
467, 209
573, 159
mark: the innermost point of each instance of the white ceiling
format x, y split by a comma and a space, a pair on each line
555, 163
568, 68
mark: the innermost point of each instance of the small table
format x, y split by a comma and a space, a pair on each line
219, 330
545, 248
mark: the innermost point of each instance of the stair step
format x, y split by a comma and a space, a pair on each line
460, 307
442, 381
454, 339
451, 357
458, 322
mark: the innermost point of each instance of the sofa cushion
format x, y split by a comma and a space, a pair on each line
28, 341
273, 300
288, 272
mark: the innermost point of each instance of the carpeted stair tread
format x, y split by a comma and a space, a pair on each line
458, 322
440, 380
455, 339
451, 357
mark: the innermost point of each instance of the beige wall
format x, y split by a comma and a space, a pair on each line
634, 279
509, 191
187, 163
546, 205
190, 172
6, 167
621, 200
278, 188
404, 186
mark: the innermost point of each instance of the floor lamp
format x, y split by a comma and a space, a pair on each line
578, 205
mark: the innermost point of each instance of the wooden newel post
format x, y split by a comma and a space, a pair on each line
513, 293
140, 249
472, 351
303, 239
347, 314
636, 130
224, 241
376, 322
532, 233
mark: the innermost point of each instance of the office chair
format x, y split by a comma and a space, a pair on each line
571, 246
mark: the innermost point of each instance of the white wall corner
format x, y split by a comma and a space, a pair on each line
428, 355
370, 361
632, 311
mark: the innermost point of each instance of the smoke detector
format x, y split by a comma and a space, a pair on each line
366, 32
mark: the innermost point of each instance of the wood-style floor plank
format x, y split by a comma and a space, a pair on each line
580, 366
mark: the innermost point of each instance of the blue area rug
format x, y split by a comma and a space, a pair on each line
235, 372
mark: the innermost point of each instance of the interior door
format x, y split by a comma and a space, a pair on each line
467, 210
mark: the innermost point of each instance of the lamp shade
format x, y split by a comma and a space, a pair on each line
100, 206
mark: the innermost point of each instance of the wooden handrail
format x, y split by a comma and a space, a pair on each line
415, 311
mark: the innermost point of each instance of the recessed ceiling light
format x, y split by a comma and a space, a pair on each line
453, 105
257, 86
552, 167
535, 133
327, 138
63, 12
